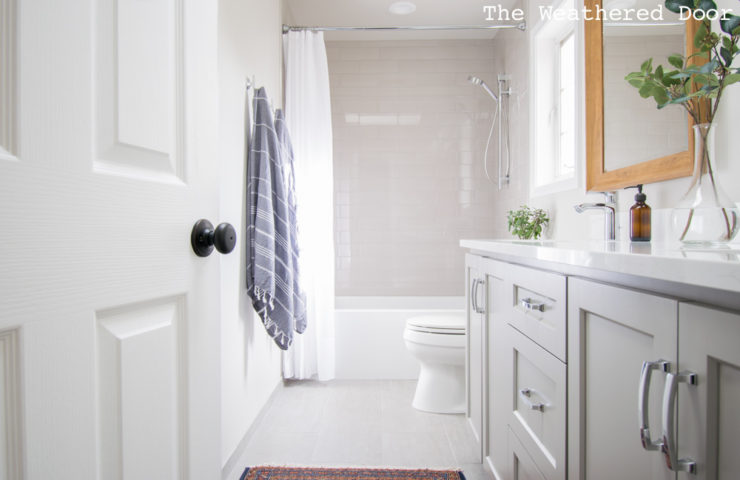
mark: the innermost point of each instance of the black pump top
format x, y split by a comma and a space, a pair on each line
640, 197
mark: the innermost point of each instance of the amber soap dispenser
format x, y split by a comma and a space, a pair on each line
640, 217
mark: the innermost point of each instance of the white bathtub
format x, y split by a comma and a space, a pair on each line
369, 334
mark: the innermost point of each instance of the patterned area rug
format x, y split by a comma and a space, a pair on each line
309, 473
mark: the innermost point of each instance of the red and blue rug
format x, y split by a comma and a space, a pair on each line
311, 473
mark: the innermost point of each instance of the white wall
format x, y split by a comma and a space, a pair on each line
249, 44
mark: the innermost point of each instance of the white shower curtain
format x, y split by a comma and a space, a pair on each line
308, 115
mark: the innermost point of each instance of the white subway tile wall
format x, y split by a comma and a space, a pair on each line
409, 136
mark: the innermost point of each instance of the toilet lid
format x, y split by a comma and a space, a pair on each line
453, 324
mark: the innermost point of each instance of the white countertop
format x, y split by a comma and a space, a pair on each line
717, 268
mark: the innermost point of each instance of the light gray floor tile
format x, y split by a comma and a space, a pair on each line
280, 448
402, 417
418, 450
296, 410
462, 441
353, 407
359, 423
348, 448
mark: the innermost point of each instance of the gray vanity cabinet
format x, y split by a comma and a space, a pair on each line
611, 332
574, 374
708, 420
524, 382
691, 386
475, 350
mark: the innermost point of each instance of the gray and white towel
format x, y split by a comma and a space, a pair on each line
272, 261
286, 155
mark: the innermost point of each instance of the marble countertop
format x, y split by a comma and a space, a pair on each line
715, 268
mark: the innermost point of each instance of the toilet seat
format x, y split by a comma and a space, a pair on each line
440, 324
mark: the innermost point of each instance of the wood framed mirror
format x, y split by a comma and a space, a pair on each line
628, 140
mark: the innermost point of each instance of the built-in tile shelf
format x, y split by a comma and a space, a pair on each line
708, 275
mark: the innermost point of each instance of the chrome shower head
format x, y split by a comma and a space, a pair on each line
477, 81
474, 80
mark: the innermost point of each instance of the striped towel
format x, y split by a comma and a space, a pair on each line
271, 272
286, 154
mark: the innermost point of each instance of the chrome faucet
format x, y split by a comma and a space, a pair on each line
609, 206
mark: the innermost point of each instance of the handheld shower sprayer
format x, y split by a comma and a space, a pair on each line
477, 81
502, 114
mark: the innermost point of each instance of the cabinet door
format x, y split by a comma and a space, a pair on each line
475, 351
611, 331
708, 422
496, 455
521, 465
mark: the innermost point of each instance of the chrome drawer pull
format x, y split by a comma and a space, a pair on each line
474, 296
526, 394
643, 402
668, 443
530, 304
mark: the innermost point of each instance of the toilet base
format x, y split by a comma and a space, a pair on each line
440, 389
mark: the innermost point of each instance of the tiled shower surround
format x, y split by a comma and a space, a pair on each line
409, 136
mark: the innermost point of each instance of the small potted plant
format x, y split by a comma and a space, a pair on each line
705, 214
528, 223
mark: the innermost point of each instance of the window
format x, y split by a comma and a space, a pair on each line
555, 117
565, 164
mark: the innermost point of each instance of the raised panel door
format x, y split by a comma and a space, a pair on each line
708, 422
611, 332
109, 323
475, 351
496, 445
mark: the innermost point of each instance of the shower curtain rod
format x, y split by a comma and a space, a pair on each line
295, 28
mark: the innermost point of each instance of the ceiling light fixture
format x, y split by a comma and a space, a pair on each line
402, 8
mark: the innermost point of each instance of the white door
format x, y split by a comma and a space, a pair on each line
108, 321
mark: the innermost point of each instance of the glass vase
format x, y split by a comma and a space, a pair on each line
705, 215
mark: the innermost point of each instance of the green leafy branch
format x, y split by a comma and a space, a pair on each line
696, 87
527, 222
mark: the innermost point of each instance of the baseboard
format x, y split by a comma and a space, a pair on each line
227, 470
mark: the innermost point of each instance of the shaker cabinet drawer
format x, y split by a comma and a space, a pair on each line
537, 382
521, 465
537, 307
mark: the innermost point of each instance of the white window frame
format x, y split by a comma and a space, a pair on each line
545, 42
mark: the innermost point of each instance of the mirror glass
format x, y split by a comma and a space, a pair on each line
635, 130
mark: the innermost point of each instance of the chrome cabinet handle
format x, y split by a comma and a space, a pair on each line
668, 443
530, 304
526, 395
481, 309
474, 295
643, 399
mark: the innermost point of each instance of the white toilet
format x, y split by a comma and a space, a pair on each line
438, 342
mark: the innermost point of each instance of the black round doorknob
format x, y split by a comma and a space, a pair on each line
204, 237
